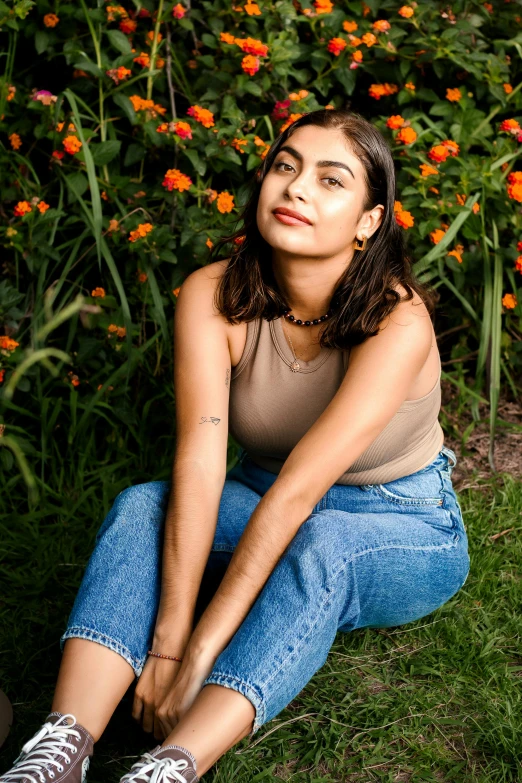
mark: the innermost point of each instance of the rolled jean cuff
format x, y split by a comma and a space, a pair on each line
91, 635
251, 692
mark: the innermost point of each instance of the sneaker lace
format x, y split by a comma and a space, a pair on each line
39, 753
164, 770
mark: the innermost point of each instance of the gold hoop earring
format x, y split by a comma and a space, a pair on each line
362, 246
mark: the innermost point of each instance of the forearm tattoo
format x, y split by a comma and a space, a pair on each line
210, 419
227, 377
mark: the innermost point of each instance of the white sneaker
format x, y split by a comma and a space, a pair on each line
170, 764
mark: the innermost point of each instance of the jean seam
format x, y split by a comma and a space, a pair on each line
92, 635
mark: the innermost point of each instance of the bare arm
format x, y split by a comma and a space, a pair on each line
201, 372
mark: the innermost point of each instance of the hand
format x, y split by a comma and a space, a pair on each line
182, 693
155, 681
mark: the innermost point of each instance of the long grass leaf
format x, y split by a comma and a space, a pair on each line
448, 237
160, 310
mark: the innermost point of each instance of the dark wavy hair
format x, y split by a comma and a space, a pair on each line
364, 295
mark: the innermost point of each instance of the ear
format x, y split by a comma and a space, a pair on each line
372, 220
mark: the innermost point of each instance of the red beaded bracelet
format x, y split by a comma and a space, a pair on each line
168, 657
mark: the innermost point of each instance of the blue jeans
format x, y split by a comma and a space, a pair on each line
373, 556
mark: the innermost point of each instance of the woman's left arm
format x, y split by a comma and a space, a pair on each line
381, 373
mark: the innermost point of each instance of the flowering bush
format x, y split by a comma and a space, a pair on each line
128, 141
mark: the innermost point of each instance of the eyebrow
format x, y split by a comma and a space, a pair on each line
320, 163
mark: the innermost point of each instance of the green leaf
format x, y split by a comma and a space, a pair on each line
346, 77
89, 67
199, 165
119, 41
209, 40
123, 102
77, 184
135, 153
105, 151
254, 89
41, 41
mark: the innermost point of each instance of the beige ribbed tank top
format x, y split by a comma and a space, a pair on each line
271, 408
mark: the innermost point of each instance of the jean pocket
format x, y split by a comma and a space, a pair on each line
425, 488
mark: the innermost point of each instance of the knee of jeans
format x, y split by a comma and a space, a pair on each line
137, 510
316, 540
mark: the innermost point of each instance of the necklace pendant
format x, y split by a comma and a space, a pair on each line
295, 366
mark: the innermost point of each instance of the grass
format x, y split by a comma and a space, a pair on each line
436, 700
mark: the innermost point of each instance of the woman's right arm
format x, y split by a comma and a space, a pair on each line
202, 369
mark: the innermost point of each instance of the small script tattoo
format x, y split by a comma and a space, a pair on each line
226, 378
210, 419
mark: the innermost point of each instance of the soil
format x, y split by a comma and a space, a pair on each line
472, 458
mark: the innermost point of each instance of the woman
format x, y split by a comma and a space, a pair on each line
340, 513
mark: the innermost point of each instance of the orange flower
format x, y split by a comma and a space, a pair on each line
238, 145
141, 231
354, 40
143, 59
127, 26
323, 6
178, 12
115, 10
369, 39
42, 207
250, 64
2, 375
434, 190
22, 208
514, 186
395, 121
427, 171
511, 126
357, 56
488, 7
349, 27
176, 291
291, 119
119, 74
149, 38
252, 9
461, 198
409, 86
50, 20
113, 226
209, 243
175, 180
405, 11
437, 235
227, 38
98, 291
225, 202
141, 104
475, 208
336, 46
72, 145
58, 154
397, 206
11, 92
294, 96
509, 301
518, 264
406, 135
507, 88
7, 344
404, 218
142, 277
453, 94
378, 90
204, 116
457, 252
252, 46
381, 25
452, 146
439, 153
15, 141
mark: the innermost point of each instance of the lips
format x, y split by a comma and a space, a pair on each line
293, 215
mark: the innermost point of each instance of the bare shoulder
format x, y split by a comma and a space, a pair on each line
201, 284
410, 311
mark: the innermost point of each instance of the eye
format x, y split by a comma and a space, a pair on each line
329, 179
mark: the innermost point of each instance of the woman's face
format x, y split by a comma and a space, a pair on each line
317, 175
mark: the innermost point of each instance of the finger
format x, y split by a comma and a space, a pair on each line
167, 726
148, 718
137, 708
159, 732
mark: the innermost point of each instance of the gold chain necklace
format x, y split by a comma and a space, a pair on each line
295, 366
